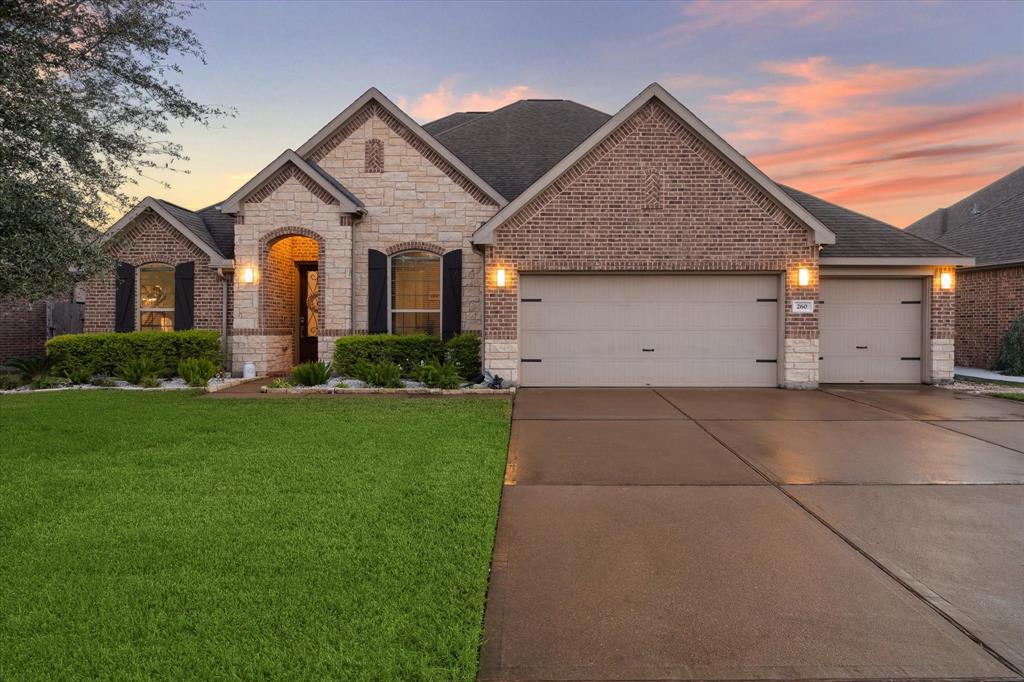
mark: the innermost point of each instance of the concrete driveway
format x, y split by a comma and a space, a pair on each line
851, 533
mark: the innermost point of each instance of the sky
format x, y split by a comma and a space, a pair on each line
892, 109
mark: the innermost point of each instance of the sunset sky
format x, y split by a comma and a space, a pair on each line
890, 108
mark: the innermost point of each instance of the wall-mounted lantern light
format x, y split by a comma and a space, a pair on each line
946, 281
500, 277
249, 275
804, 277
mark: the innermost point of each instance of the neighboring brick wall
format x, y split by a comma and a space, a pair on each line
942, 329
412, 196
150, 239
22, 329
987, 301
652, 197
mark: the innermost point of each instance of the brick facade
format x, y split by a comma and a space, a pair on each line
987, 301
150, 239
23, 329
607, 213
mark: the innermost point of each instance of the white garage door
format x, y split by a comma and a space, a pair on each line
648, 330
871, 330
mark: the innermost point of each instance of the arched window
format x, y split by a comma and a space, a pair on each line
156, 297
416, 293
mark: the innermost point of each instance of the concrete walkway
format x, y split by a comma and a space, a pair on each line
854, 533
987, 375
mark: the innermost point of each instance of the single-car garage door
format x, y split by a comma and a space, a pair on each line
648, 330
871, 330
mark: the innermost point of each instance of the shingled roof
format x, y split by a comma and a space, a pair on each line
209, 225
861, 236
513, 146
988, 224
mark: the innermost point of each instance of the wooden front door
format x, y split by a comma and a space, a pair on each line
309, 311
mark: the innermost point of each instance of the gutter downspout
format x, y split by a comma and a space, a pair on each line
352, 273
221, 272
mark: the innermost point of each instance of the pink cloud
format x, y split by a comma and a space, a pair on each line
705, 15
848, 134
444, 100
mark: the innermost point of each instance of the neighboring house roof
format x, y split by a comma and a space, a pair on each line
188, 223
375, 95
988, 224
859, 236
348, 202
451, 120
485, 234
515, 145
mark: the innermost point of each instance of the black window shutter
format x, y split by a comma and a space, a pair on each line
451, 296
184, 297
124, 298
377, 315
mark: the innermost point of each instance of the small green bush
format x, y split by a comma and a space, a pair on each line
408, 352
105, 353
197, 371
149, 381
436, 375
280, 382
463, 351
33, 370
49, 381
139, 370
79, 375
1011, 354
311, 373
10, 381
384, 374
103, 381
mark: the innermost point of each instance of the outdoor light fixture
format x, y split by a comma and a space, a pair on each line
248, 275
946, 280
500, 277
804, 277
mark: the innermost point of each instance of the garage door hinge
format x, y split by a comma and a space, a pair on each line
767, 300
910, 358
530, 300
759, 360
910, 302
530, 360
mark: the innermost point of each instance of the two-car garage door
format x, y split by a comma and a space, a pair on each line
709, 330
649, 330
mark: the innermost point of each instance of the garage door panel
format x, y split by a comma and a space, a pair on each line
871, 330
700, 330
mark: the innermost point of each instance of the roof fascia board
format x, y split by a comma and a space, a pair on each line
485, 234
882, 260
216, 259
373, 94
233, 203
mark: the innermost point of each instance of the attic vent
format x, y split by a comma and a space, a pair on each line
975, 210
374, 156
652, 190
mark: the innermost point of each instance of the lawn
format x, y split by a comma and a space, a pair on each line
1011, 396
166, 535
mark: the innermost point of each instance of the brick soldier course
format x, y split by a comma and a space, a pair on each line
655, 194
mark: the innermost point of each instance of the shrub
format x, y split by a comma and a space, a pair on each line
311, 373
149, 381
197, 371
1011, 354
139, 370
33, 370
463, 351
81, 375
10, 381
408, 352
49, 381
436, 375
103, 381
105, 353
384, 374
280, 382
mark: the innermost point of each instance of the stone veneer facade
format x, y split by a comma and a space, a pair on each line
987, 301
652, 197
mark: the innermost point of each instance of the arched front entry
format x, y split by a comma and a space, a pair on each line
291, 294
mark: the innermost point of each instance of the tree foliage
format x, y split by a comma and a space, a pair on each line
87, 100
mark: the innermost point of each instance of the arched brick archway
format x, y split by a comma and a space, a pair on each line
279, 253
415, 246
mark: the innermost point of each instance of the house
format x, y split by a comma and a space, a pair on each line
585, 249
988, 225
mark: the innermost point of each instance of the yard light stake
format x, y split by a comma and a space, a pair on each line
946, 280
500, 276
804, 277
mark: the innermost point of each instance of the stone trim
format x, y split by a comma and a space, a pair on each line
282, 176
415, 246
800, 363
372, 108
941, 353
267, 241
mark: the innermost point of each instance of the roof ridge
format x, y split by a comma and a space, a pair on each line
483, 114
171, 203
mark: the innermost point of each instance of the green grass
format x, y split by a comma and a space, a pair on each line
1010, 396
169, 536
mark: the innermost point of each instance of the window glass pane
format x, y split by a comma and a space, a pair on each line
416, 281
156, 287
156, 322
416, 323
